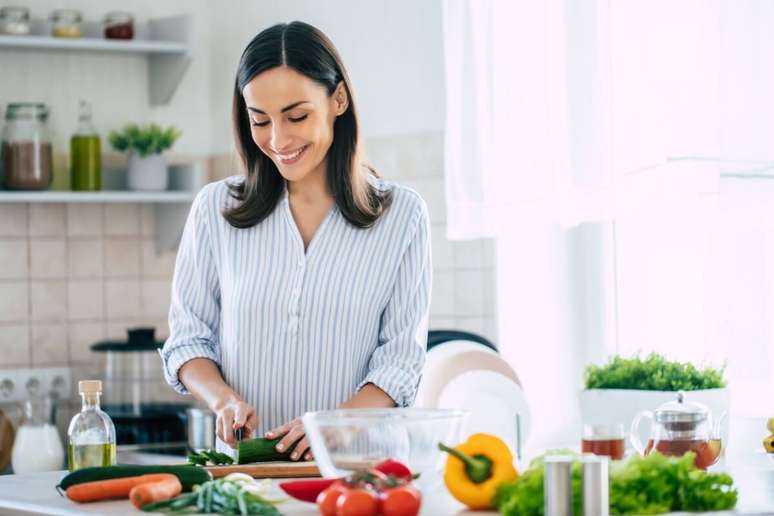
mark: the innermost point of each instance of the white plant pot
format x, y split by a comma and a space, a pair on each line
610, 406
147, 173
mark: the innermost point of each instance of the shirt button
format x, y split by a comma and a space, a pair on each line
300, 264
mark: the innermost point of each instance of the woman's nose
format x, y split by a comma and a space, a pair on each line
279, 138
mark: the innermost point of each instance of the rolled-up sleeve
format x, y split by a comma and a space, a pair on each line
396, 364
194, 313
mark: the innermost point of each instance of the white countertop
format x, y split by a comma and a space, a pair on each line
36, 494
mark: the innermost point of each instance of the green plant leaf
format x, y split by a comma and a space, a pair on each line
653, 373
144, 140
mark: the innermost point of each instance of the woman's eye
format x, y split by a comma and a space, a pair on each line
294, 120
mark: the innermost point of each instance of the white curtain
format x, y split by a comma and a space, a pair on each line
561, 113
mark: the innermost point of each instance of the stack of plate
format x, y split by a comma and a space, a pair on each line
465, 375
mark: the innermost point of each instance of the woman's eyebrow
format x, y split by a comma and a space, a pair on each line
286, 108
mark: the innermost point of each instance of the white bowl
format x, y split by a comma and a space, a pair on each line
350, 439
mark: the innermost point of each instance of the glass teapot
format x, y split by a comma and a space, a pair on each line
678, 427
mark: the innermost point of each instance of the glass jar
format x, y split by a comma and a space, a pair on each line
37, 446
14, 21
66, 23
119, 25
26, 147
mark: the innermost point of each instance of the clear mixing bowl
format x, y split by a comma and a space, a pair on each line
350, 439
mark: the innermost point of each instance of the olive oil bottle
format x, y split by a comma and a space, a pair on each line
91, 437
85, 153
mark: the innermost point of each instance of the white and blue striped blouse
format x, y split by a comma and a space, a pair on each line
296, 331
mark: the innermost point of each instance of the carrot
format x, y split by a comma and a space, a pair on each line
156, 491
113, 488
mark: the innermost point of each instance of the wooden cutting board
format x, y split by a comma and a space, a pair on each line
269, 469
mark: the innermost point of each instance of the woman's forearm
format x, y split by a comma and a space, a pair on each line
203, 380
370, 396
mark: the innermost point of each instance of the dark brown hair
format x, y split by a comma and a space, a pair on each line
309, 52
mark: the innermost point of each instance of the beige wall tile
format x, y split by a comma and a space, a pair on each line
85, 258
123, 299
13, 220
157, 265
14, 301
48, 300
49, 344
13, 258
47, 220
155, 298
122, 258
85, 300
84, 219
81, 336
147, 220
122, 220
48, 258
14, 345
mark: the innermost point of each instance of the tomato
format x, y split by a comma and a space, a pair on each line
357, 502
326, 501
401, 501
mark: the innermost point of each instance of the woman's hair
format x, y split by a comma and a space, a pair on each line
308, 51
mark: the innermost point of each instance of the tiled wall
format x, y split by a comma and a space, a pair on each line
74, 274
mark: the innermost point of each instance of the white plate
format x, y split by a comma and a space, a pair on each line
493, 401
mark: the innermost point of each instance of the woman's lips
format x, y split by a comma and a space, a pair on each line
294, 157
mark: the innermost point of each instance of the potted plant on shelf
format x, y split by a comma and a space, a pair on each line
618, 390
145, 144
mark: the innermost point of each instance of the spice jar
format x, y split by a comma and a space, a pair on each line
66, 23
119, 25
26, 148
14, 21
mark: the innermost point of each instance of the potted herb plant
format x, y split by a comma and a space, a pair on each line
145, 144
618, 390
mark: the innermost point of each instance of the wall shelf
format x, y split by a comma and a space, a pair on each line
165, 42
170, 207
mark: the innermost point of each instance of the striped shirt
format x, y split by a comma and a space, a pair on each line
295, 331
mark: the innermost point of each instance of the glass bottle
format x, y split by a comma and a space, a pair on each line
26, 148
85, 153
91, 437
37, 446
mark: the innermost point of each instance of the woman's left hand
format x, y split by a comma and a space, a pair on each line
293, 432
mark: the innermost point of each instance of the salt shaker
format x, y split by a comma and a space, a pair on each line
557, 488
595, 486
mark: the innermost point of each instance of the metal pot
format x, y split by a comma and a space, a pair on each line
201, 429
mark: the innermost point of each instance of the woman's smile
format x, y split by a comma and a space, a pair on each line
291, 158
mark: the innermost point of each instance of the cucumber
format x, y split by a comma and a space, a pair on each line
188, 475
260, 450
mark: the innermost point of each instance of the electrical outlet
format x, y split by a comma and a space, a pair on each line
19, 384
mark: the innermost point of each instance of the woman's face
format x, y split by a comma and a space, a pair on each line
291, 119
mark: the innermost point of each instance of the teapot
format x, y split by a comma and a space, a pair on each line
678, 427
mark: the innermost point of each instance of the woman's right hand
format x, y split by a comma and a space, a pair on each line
232, 413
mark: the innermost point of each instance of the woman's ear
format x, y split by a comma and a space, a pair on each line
341, 99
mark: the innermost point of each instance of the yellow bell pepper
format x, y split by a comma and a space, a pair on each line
475, 468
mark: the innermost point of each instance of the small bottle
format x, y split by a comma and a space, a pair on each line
85, 153
91, 437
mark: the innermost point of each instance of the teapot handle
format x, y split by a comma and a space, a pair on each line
634, 434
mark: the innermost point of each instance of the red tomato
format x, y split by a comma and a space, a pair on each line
326, 501
357, 502
401, 501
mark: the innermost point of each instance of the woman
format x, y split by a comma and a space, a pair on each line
306, 284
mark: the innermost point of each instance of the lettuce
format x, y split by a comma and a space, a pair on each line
654, 484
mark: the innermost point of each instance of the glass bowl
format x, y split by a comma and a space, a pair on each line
346, 440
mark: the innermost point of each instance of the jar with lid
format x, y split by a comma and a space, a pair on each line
66, 23
119, 25
26, 147
37, 446
14, 21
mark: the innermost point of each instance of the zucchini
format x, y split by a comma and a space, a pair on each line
188, 475
261, 450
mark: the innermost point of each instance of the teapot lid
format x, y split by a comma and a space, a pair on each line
681, 411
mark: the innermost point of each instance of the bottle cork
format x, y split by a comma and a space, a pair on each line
90, 387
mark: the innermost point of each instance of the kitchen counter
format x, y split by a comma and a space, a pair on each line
35, 494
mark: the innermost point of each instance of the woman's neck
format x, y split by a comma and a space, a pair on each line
312, 189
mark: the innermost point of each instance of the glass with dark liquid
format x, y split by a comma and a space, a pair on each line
604, 439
